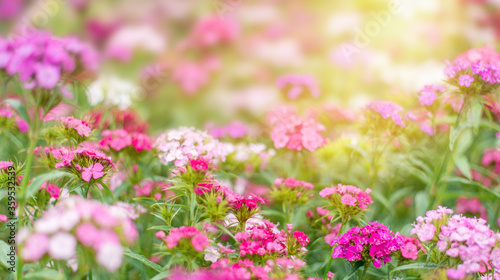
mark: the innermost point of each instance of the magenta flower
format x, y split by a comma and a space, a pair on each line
93, 171
465, 80
409, 251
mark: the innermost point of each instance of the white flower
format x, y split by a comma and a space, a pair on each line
112, 91
110, 256
212, 254
62, 246
47, 225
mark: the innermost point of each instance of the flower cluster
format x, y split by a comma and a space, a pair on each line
100, 228
86, 163
492, 157
410, 247
472, 206
184, 237
120, 139
112, 91
265, 241
53, 190
296, 133
181, 145
41, 60
214, 30
428, 227
150, 187
472, 242
291, 190
372, 243
387, 109
81, 127
294, 85
429, 94
348, 200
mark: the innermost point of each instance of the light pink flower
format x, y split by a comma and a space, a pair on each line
93, 171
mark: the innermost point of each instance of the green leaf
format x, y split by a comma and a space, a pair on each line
161, 276
21, 110
4, 250
472, 183
49, 274
421, 203
142, 259
463, 165
39, 180
474, 115
357, 265
415, 266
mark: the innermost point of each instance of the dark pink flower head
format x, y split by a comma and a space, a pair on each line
198, 164
375, 242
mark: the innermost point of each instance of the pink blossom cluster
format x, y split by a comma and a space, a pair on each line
84, 162
245, 269
214, 30
387, 109
481, 63
294, 132
348, 195
472, 242
372, 243
198, 240
235, 200
471, 205
338, 114
120, 139
492, 156
234, 129
292, 183
185, 143
81, 127
429, 94
426, 227
295, 84
5, 164
74, 220
265, 239
41, 60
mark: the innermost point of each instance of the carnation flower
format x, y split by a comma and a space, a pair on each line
294, 132
348, 200
387, 109
427, 227
181, 145
197, 240
120, 139
428, 94
76, 221
373, 243
40, 60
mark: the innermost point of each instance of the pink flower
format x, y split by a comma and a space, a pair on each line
301, 237
348, 199
409, 251
387, 109
35, 247
198, 164
5, 164
3, 218
330, 275
465, 80
94, 170
87, 234
53, 190
294, 85
81, 127
200, 241
47, 76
